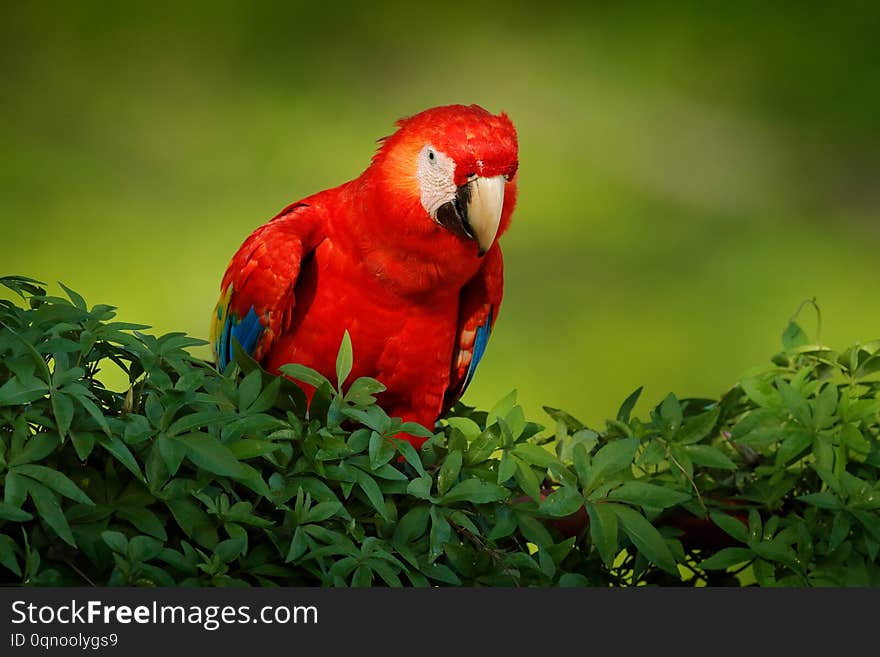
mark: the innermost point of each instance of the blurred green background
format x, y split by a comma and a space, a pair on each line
689, 172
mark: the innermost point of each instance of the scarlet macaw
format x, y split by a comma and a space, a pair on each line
405, 257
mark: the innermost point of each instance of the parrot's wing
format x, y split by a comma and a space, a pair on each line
479, 304
257, 293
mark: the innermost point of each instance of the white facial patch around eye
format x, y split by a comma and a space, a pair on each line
435, 174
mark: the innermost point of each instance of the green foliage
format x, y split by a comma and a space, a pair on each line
197, 478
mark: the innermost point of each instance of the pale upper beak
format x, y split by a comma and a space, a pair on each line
476, 211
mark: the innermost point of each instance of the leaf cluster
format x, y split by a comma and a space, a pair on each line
192, 477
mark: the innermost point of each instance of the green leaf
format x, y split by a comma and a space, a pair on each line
83, 443
251, 478
441, 573
755, 525
22, 284
228, 550
823, 500
825, 407
562, 502
388, 471
323, 511
505, 523
709, 456
527, 479
482, 447
371, 489
362, 392
730, 525
775, 551
584, 438
248, 391
172, 452
194, 522
856, 443
628, 404
573, 580
121, 453
603, 531
62, 408
795, 403
15, 489
55, 480
469, 428
187, 423
95, 412
839, 531
765, 573
535, 455
502, 408
267, 397
646, 538
612, 458
143, 520
373, 417
760, 392
77, 299
363, 577
506, 467
344, 360
648, 495
533, 530
250, 448
13, 513
412, 525
868, 367
449, 471
116, 541
36, 448
727, 557
697, 428
870, 521
793, 336
581, 457
572, 424
415, 429
7, 555
381, 450
670, 413
298, 546
794, 443
144, 548
50, 511
515, 420
420, 488
305, 374
209, 454
410, 454
476, 491
16, 392
440, 535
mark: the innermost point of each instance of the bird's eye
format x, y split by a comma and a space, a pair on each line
431, 156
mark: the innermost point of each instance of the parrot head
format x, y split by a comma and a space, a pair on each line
450, 173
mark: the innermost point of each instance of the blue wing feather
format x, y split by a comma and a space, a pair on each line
480, 342
247, 330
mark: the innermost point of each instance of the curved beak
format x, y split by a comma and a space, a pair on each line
476, 211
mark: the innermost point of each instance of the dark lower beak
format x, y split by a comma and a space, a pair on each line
453, 215
475, 212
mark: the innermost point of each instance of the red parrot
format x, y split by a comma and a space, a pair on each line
405, 257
